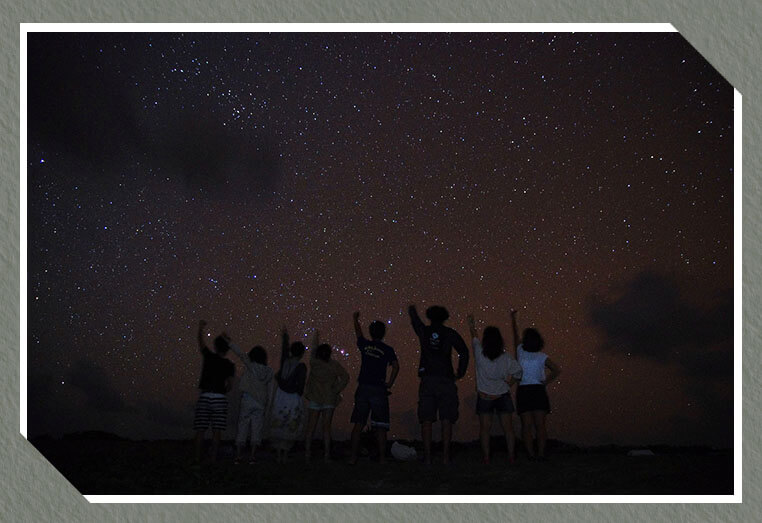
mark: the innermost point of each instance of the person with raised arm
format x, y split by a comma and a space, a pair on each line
216, 381
437, 393
373, 389
256, 397
496, 371
288, 410
326, 380
532, 401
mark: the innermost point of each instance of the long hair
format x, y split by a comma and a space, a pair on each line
492, 343
532, 341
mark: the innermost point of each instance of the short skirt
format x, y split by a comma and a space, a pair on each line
531, 397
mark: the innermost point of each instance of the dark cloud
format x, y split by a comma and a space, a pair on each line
100, 393
68, 114
652, 319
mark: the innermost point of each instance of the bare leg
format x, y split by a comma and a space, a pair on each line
426, 434
216, 435
311, 422
538, 416
446, 438
526, 433
327, 420
485, 424
510, 438
356, 431
381, 436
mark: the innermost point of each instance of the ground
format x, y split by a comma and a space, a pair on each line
99, 465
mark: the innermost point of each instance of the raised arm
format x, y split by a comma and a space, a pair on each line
284, 346
415, 319
516, 339
201, 343
356, 320
555, 371
472, 326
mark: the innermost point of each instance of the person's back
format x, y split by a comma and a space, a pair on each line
257, 381
215, 371
533, 366
326, 380
375, 356
492, 376
438, 393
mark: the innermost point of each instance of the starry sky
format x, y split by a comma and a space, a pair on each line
256, 180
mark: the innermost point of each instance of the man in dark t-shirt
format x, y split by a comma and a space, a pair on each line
437, 393
372, 395
216, 379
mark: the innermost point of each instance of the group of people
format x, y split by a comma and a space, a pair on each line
273, 403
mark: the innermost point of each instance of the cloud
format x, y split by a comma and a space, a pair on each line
653, 320
94, 383
83, 106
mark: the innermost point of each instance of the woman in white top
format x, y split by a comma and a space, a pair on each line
531, 398
496, 371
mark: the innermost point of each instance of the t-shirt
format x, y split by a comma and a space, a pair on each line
533, 365
437, 342
376, 356
215, 370
492, 375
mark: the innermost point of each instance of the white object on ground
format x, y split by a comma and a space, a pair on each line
403, 452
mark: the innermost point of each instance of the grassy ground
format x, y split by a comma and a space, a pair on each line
102, 466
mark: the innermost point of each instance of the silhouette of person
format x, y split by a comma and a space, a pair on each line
532, 401
288, 409
326, 380
372, 394
216, 380
256, 396
496, 371
437, 393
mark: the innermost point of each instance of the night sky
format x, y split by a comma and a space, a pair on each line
257, 180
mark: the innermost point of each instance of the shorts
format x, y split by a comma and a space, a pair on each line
211, 411
531, 397
314, 405
373, 400
501, 405
437, 395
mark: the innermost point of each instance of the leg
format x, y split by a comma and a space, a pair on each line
327, 420
426, 435
244, 425
446, 438
381, 436
216, 435
198, 445
538, 416
485, 424
510, 438
526, 432
311, 422
356, 431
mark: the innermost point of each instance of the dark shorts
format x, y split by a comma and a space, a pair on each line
501, 405
373, 400
531, 397
437, 395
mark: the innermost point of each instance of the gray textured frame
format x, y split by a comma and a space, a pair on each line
726, 35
